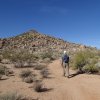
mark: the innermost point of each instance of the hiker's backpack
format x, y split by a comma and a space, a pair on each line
65, 58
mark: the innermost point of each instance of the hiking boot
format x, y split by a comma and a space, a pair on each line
65, 75
68, 77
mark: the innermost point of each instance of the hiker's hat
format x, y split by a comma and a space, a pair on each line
65, 52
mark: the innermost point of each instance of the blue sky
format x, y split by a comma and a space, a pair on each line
75, 21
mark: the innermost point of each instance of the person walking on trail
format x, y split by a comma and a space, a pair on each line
65, 64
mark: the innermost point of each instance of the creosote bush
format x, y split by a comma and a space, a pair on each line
85, 61
80, 60
90, 68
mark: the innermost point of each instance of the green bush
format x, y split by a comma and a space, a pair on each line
80, 60
90, 68
45, 55
20, 56
85, 60
92, 60
24, 57
7, 54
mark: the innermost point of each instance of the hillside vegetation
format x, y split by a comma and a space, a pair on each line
31, 61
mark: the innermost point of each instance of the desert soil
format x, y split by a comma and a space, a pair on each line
79, 87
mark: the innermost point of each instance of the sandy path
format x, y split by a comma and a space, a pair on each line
80, 87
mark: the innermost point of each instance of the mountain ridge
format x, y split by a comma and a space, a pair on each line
34, 41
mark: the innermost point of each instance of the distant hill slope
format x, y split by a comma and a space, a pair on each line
34, 41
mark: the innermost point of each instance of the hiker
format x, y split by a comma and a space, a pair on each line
65, 64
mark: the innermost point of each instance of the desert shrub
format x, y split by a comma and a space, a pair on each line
27, 76
1, 58
7, 54
23, 57
5, 61
38, 86
25, 73
23, 64
98, 53
89, 53
28, 79
97, 65
2, 70
80, 60
9, 71
20, 57
5, 71
45, 73
47, 55
0, 76
19, 65
11, 96
85, 61
92, 60
39, 67
90, 68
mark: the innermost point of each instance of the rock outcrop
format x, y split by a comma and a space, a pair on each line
34, 41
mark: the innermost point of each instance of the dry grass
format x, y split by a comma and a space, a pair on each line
39, 87
39, 67
12, 96
45, 73
27, 76
25, 73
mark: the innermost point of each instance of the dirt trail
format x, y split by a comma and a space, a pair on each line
80, 87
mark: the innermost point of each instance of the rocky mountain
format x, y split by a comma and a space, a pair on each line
34, 41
